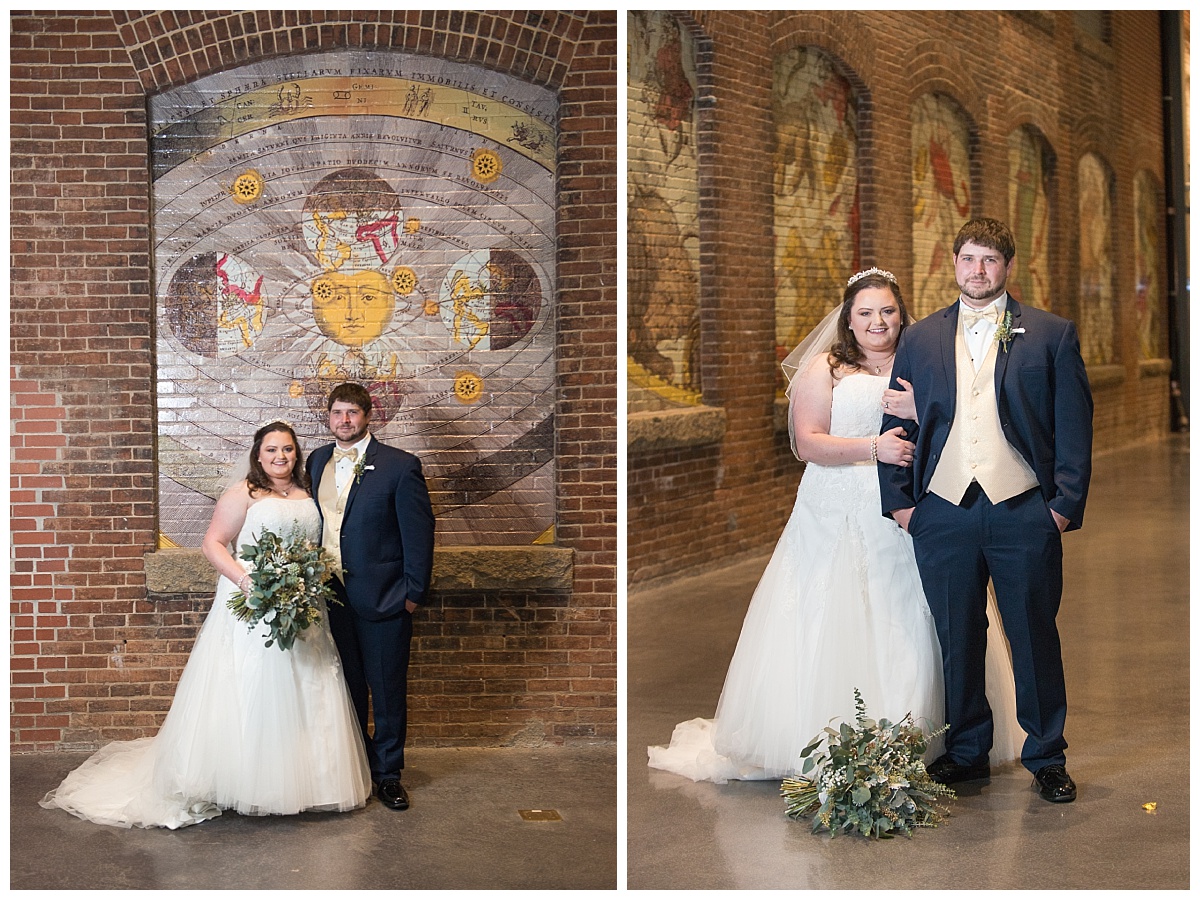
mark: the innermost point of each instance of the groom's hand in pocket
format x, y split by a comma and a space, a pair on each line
902, 516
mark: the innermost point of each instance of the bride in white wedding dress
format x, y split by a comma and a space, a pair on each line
840, 604
251, 728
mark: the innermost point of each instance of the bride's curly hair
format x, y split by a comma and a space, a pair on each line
845, 352
257, 479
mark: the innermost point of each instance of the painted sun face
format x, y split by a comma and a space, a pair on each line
353, 309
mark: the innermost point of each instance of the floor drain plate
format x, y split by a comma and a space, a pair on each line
540, 815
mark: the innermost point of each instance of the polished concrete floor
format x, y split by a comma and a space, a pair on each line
464, 830
1124, 626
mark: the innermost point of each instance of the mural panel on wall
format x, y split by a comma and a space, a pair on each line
816, 192
1029, 216
941, 170
1096, 266
663, 272
369, 216
1148, 299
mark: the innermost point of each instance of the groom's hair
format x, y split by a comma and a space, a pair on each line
990, 233
349, 392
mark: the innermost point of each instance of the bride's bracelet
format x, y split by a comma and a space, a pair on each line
244, 583
875, 449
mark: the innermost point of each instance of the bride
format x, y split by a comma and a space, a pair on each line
840, 605
251, 728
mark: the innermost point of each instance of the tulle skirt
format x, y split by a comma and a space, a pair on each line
839, 607
251, 728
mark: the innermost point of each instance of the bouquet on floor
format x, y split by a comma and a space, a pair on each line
869, 779
288, 579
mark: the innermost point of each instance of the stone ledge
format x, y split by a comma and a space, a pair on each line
535, 568
1153, 368
1103, 376
691, 426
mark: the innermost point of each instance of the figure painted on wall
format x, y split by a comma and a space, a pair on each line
663, 227
941, 196
490, 299
663, 307
1095, 261
1148, 299
663, 72
1029, 211
816, 190
214, 305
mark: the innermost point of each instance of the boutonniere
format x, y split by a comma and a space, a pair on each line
1005, 332
360, 467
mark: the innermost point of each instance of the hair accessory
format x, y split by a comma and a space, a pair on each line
276, 422
874, 270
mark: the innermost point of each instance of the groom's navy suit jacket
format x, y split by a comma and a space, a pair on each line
1042, 394
387, 530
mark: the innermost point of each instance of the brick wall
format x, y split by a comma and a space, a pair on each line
95, 657
699, 506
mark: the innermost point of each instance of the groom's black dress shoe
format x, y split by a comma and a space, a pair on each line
944, 770
1054, 784
391, 794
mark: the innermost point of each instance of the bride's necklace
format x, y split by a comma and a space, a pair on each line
878, 369
283, 493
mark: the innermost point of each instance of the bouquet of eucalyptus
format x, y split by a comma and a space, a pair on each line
869, 779
288, 578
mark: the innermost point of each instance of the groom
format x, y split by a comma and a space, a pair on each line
377, 522
1002, 465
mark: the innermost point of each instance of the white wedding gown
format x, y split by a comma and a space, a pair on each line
838, 607
251, 728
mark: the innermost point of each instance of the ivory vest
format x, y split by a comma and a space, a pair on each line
333, 507
976, 448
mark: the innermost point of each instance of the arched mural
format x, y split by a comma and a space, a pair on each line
663, 272
370, 216
941, 186
1096, 266
1147, 213
816, 191
1030, 170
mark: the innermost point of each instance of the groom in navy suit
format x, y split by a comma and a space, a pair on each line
377, 521
1002, 463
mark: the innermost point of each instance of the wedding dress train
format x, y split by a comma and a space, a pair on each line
838, 607
251, 728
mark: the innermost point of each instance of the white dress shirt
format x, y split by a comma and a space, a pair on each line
344, 468
979, 337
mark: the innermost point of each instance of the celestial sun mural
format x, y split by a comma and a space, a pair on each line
369, 216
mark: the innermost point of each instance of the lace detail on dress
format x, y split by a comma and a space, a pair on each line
281, 516
856, 413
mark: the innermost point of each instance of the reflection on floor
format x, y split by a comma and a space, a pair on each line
464, 830
1124, 627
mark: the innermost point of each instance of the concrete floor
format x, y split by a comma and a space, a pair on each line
463, 831
1124, 627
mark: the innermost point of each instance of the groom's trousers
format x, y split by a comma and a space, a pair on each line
1018, 545
375, 656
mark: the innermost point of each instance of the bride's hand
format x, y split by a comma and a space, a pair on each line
903, 403
892, 448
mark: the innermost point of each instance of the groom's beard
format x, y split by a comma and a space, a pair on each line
348, 438
984, 292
